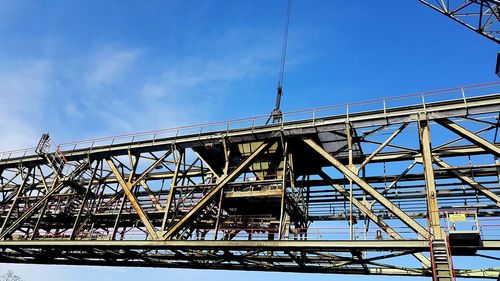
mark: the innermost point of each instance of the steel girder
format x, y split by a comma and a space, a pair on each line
381, 117
482, 16
313, 256
261, 198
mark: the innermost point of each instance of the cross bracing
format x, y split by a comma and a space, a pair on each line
365, 188
481, 16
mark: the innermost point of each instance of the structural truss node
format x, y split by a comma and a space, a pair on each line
481, 16
353, 189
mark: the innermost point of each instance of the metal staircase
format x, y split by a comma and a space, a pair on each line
13, 222
441, 260
55, 160
209, 214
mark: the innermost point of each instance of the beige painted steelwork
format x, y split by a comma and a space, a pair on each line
355, 193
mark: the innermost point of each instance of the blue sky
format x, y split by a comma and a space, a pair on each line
82, 69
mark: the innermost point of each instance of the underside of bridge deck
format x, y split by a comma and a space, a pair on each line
364, 192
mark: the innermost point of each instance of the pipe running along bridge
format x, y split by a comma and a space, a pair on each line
398, 186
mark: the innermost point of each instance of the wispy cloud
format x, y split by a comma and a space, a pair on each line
23, 88
231, 58
112, 90
193, 73
191, 89
108, 65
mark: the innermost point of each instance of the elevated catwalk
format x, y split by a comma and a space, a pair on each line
357, 188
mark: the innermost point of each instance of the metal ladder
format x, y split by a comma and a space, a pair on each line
441, 261
55, 160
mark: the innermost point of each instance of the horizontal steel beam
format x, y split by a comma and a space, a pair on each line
340, 245
450, 108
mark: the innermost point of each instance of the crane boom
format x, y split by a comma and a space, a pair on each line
482, 16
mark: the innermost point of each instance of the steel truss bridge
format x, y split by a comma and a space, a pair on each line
353, 189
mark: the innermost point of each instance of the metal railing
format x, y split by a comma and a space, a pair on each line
489, 232
416, 99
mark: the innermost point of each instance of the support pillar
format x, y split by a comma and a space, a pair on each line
442, 269
430, 184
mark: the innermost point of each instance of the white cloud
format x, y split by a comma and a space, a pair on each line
192, 89
103, 93
191, 73
108, 65
23, 88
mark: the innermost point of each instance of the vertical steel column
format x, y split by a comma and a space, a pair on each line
348, 130
283, 192
219, 214
118, 217
442, 269
42, 212
171, 192
84, 202
430, 184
